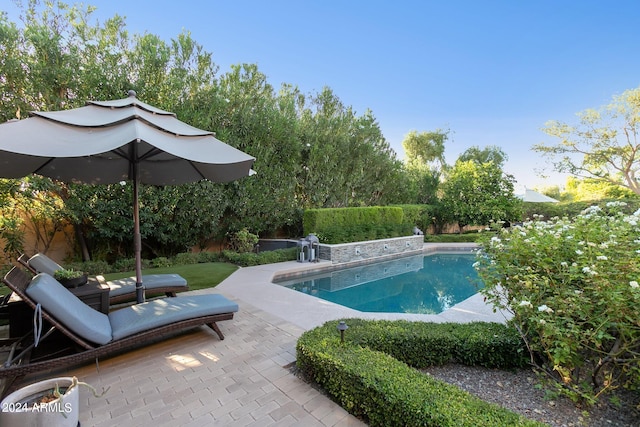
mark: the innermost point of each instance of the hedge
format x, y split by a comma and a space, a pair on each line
341, 225
373, 373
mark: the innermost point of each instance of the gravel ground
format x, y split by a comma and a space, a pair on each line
516, 391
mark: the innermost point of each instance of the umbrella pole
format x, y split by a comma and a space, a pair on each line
137, 239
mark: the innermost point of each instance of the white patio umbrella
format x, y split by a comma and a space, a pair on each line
112, 141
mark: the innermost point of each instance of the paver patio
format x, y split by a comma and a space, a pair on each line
194, 379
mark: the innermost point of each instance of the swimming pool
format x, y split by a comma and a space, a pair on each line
421, 284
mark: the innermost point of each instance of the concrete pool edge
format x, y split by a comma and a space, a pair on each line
254, 286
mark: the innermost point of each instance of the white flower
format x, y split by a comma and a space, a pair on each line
545, 308
579, 252
589, 270
564, 264
634, 284
524, 303
602, 258
542, 321
577, 292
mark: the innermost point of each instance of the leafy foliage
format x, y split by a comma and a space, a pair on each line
479, 194
311, 150
604, 146
572, 286
372, 373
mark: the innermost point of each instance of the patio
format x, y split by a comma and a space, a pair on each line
194, 379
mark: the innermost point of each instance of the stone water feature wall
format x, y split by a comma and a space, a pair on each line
364, 251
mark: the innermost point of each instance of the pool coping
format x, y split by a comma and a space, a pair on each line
254, 286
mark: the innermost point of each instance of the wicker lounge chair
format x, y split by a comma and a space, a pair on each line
96, 334
119, 290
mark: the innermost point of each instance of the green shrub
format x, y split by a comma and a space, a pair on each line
206, 256
470, 237
248, 259
243, 241
92, 268
128, 264
572, 285
385, 391
341, 225
161, 261
417, 215
186, 258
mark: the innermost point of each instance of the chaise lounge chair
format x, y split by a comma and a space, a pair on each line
98, 334
119, 290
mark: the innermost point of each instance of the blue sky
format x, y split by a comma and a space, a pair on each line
492, 72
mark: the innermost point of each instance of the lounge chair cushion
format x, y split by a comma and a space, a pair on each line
67, 309
150, 281
43, 264
159, 312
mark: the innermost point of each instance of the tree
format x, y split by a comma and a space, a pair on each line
604, 146
425, 149
425, 162
490, 154
589, 189
479, 194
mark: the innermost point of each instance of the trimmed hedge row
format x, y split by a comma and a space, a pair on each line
241, 259
373, 373
342, 225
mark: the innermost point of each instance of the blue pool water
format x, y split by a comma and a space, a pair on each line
426, 284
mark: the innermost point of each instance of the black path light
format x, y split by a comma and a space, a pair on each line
342, 326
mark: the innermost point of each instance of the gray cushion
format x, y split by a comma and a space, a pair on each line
67, 309
150, 281
160, 312
43, 264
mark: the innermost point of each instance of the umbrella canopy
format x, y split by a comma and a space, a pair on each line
535, 197
112, 141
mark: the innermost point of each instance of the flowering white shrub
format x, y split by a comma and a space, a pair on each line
572, 287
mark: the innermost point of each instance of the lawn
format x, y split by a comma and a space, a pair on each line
198, 276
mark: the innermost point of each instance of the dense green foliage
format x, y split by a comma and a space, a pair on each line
341, 225
479, 194
572, 286
312, 151
603, 146
373, 373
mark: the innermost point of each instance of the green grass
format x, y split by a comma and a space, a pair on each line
198, 276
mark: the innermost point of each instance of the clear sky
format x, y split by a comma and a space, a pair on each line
492, 72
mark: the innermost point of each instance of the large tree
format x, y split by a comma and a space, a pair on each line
604, 145
425, 163
479, 194
489, 154
311, 150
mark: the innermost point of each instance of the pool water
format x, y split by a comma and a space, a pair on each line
425, 284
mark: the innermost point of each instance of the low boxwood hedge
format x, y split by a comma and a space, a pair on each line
373, 373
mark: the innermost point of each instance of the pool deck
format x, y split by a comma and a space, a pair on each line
254, 286
194, 379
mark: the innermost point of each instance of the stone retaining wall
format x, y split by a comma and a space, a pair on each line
363, 251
